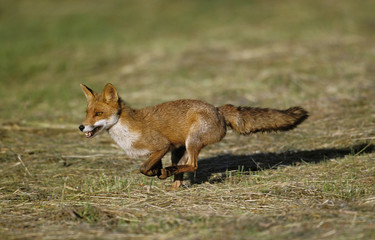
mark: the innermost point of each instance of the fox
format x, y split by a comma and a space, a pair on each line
182, 127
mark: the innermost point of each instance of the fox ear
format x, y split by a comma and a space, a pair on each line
110, 93
90, 94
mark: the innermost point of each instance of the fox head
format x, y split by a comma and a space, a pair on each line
103, 110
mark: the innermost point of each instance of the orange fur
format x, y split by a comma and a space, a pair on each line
182, 126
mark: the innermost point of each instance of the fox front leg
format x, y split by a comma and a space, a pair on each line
178, 157
167, 172
153, 165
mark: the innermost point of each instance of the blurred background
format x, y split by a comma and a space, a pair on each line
245, 52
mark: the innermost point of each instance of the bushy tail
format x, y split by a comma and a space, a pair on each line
246, 120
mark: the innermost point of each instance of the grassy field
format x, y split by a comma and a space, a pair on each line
315, 182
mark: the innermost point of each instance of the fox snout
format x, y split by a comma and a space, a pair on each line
91, 130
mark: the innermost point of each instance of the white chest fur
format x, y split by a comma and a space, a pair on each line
125, 139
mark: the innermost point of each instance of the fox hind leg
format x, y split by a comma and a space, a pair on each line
204, 131
193, 147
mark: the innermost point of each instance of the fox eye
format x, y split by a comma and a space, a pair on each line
97, 114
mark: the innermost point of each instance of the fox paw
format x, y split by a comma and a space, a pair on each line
175, 186
163, 174
166, 172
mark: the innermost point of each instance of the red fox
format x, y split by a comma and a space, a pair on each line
183, 127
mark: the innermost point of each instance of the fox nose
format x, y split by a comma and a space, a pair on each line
81, 127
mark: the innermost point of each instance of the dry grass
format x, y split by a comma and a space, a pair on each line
95, 191
315, 182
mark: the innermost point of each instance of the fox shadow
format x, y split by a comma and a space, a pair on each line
222, 164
